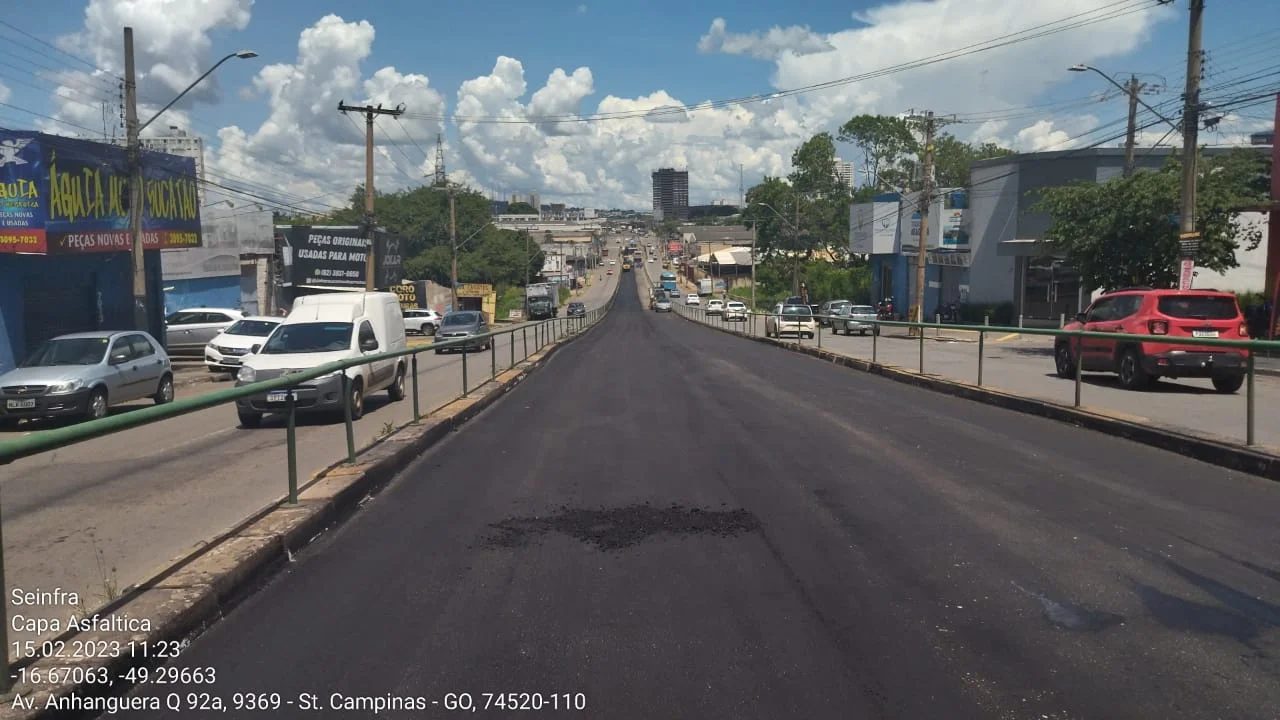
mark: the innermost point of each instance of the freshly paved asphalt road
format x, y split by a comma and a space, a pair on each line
1024, 366
114, 510
709, 527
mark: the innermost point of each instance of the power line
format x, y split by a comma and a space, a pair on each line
1125, 7
53, 47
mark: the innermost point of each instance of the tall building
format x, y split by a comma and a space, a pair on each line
670, 194
531, 198
844, 171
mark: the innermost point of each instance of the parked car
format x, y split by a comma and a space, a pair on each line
828, 309
1158, 314
463, 324
854, 318
188, 331
576, 309
421, 321
790, 320
735, 311
715, 307
83, 374
692, 299
224, 353
321, 329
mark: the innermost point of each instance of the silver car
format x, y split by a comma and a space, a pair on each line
187, 332
662, 303
82, 374
854, 318
463, 324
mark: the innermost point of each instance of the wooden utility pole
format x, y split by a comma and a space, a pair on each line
1130, 137
133, 148
930, 124
453, 242
1189, 236
370, 112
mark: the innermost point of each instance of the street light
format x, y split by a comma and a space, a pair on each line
133, 144
1081, 67
242, 54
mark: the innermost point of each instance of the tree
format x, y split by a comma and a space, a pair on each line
521, 208
1124, 232
884, 142
495, 257
953, 158
824, 200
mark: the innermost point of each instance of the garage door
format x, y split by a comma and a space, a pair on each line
49, 312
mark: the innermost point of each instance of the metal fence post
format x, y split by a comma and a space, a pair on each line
524, 339
921, 329
982, 336
346, 417
818, 326
511, 342
1249, 404
1079, 361
493, 358
875, 340
464, 370
413, 363
291, 445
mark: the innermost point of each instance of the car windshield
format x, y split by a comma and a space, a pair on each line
798, 310
253, 328
460, 319
862, 310
309, 338
735, 306
68, 351
1199, 307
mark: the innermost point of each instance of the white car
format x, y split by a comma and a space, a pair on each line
613, 262
420, 321
790, 320
715, 307
226, 351
735, 311
692, 299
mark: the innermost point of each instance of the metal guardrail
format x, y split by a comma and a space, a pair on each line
544, 332
1073, 337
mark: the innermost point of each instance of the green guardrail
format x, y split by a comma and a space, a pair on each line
544, 332
1073, 340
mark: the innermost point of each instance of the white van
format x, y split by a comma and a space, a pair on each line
322, 329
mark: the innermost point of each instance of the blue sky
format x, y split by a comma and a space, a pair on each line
635, 49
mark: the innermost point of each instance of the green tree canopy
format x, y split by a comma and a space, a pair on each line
884, 141
891, 149
1124, 232
496, 257
521, 208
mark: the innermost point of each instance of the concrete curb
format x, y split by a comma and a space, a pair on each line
1210, 450
184, 599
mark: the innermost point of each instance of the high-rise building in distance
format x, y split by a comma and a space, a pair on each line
844, 171
670, 194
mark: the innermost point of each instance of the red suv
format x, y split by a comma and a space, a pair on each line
1158, 314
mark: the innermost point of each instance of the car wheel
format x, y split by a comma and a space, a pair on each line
249, 419
164, 393
1227, 384
439, 351
357, 400
96, 409
1063, 362
1132, 376
396, 391
429, 329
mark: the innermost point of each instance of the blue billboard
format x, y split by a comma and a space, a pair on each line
63, 195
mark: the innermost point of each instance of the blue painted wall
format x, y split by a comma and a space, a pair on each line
215, 292
900, 268
107, 278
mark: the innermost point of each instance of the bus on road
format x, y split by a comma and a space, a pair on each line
669, 282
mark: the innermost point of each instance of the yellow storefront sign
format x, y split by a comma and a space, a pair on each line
474, 290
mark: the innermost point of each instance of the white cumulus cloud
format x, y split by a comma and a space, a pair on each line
570, 139
4, 92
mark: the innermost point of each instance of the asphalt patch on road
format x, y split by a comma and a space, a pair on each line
618, 528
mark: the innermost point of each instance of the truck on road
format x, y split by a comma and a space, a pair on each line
542, 301
705, 287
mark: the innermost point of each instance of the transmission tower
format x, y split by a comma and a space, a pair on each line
441, 177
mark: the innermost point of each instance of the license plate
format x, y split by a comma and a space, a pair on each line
1204, 333
20, 404
278, 396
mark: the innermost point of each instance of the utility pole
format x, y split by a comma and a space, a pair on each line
440, 177
930, 124
453, 241
1189, 237
133, 149
1132, 132
370, 112
754, 226
795, 257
